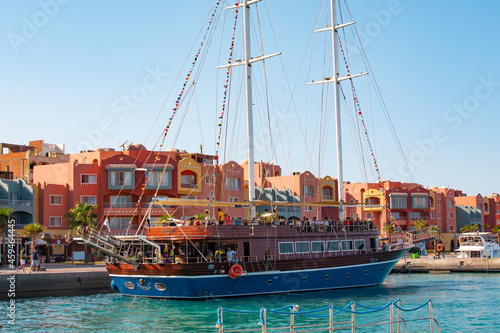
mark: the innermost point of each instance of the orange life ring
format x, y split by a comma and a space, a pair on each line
460, 240
235, 271
440, 247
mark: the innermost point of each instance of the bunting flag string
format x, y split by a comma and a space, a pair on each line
392, 220
174, 111
221, 117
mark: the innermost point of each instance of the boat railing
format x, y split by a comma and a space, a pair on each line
471, 243
299, 227
335, 318
181, 259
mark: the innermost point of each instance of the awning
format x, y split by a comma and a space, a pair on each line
158, 166
121, 166
204, 202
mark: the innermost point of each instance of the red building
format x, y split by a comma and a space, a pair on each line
114, 181
111, 180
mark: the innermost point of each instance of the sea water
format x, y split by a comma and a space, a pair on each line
461, 303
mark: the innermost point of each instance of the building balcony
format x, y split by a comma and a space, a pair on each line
7, 202
156, 208
189, 188
120, 211
119, 205
17, 206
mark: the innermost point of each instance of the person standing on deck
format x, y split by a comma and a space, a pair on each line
218, 254
230, 255
220, 216
207, 217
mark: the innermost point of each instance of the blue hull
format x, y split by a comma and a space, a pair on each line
270, 282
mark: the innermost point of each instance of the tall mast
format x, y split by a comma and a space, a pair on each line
248, 96
336, 88
336, 82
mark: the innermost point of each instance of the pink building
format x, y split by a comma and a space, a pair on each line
496, 198
443, 212
112, 180
408, 203
311, 190
115, 182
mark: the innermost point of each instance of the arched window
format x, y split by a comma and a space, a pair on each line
188, 179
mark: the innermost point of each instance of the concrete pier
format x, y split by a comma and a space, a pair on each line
56, 280
450, 263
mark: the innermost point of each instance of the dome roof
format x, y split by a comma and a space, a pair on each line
136, 146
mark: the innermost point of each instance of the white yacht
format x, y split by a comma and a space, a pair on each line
478, 245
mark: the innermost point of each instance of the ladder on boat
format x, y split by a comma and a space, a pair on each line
112, 246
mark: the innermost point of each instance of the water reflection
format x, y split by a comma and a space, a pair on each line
458, 299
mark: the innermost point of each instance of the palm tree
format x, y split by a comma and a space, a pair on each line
82, 216
4, 222
435, 231
470, 228
496, 230
420, 224
32, 230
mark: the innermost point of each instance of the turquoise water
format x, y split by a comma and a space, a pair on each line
462, 303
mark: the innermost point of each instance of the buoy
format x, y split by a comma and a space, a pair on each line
235, 271
440, 247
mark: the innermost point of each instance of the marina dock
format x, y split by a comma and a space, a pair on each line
56, 280
450, 263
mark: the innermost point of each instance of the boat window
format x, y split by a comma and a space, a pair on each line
332, 246
160, 286
129, 285
302, 247
318, 246
346, 245
285, 248
359, 244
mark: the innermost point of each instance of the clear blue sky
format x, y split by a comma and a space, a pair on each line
66, 67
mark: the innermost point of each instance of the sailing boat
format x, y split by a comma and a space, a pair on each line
260, 258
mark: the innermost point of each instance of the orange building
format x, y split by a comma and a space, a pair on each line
310, 189
21, 159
